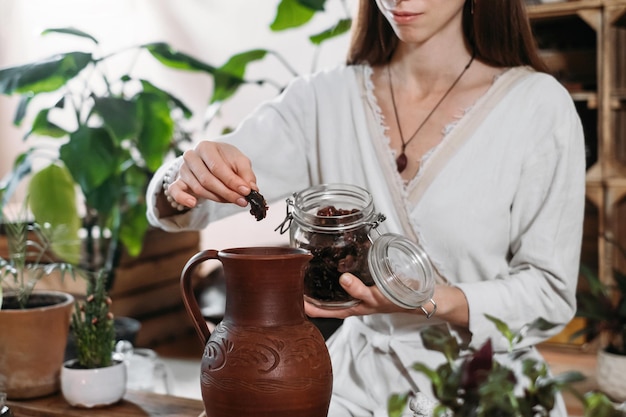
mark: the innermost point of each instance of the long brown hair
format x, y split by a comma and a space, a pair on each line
497, 31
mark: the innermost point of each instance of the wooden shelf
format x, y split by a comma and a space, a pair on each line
563, 8
583, 43
590, 97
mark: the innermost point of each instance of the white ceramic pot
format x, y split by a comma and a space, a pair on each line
88, 388
610, 375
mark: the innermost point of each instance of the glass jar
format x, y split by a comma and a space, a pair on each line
337, 224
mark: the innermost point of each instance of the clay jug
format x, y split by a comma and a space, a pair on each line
265, 358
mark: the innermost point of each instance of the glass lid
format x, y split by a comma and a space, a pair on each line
402, 270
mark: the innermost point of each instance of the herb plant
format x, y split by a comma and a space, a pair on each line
92, 326
29, 259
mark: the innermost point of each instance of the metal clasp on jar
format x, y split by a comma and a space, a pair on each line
284, 226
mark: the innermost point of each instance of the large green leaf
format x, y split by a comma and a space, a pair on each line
338, 29
291, 14
229, 76
148, 87
158, 128
133, 229
52, 200
70, 31
91, 157
104, 197
42, 126
172, 58
43, 76
120, 116
317, 5
135, 181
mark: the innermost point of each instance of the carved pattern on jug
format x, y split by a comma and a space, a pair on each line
258, 354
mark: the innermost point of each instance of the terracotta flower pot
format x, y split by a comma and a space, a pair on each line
32, 344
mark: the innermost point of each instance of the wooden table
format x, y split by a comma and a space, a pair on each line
135, 403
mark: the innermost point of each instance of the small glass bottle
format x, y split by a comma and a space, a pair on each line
5, 411
337, 224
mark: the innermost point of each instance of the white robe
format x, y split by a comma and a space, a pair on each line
502, 219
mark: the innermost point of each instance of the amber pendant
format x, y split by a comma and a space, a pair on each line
401, 162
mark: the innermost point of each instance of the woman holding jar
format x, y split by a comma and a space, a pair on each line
444, 114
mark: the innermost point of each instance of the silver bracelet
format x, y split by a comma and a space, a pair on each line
432, 313
168, 178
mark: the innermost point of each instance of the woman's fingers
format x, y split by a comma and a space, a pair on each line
213, 171
371, 301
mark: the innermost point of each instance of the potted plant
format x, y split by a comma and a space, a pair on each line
99, 103
602, 305
124, 122
477, 384
95, 377
33, 324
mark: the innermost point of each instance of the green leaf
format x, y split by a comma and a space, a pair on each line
148, 87
157, 130
42, 126
21, 168
133, 229
104, 197
236, 64
20, 112
597, 404
440, 339
45, 75
52, 200
317, 5
338, 29
91, 157
135, 180
120, 116
503, 328
291, 14
396, 404
172, 58
230, 76
433, 375
567, 378
71, 31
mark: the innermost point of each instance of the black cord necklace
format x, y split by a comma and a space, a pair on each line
401, 160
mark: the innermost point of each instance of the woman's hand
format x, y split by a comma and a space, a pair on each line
213, 171
451, 303
372, 301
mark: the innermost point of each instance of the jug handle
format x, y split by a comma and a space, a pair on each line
189, 299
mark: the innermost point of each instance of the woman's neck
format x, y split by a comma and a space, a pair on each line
427, 70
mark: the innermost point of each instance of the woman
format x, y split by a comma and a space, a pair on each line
444, 114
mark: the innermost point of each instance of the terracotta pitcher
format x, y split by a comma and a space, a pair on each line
265, 358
